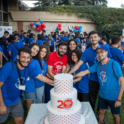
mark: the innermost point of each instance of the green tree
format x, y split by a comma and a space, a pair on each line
22, 6
43, 3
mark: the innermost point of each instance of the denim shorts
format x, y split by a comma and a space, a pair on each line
30, 95
103, 104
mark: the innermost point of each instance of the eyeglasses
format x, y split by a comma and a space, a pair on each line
24, 58
100, 52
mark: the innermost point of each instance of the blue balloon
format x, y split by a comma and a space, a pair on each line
79, 30
35, 24
56, 30
75, 30
41, 21
80, 27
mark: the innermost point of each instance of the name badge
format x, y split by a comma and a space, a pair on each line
22, 87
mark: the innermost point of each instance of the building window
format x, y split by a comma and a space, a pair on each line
3, 12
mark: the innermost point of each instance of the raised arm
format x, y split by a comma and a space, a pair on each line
45, 79
67, 68
3, 108
82, 73
63, 69
49, 68
118, 101
76, 67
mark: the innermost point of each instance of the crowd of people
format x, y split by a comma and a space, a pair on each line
28, 64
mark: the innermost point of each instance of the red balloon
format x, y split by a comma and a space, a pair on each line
77, 27
31, 24
57, 28
38, 25
60, 28
37, 29
41, 28
42, 25
59, 25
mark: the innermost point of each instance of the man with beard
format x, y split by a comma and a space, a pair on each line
111, 83
13, 77
90, 57
57, 62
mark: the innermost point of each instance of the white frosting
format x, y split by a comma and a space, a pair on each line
82, 121
68, 116
63, 84
57, 99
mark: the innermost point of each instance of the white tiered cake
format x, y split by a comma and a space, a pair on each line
64, 108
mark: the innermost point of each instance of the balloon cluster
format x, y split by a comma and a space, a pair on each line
39, 26
59, 27
77, 28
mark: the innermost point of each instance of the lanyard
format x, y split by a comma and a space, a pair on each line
19, 73
104, 69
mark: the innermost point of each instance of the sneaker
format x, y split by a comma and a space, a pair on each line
104, 121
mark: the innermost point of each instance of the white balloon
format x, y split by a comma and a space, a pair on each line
38, 23
34, 26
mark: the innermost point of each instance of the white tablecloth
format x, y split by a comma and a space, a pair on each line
38, 111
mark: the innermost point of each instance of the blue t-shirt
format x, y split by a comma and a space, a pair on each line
64, 38
78, 41
40, 42
31, 40
20, 40
1, 48
88, 40
21, 36
57, 42
30, 83
89, 56
83, 85
5, 53
117, 55
45, 36
122, 43
26, 40
13, 50
51, 42
109, 86
39, 83
10, 77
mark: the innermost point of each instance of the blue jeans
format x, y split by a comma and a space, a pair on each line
39, 94
47, 92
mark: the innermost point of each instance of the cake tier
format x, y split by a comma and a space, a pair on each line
82, 121
67, 117
63, 84
63, 102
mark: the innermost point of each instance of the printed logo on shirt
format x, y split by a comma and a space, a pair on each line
18, 82
103, 77
28, 78
58, 67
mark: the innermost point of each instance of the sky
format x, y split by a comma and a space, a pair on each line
111, 3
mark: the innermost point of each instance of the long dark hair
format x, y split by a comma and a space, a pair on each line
78, 53
30, 46
68, 49
4, 42
45, 58
86, 40
75, 43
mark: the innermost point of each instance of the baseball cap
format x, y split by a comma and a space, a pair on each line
102, 47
